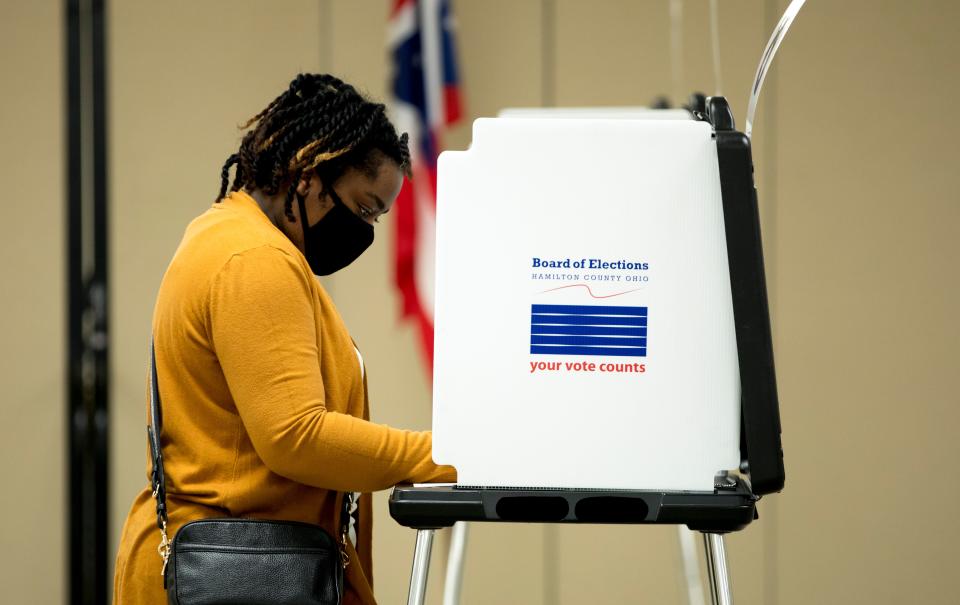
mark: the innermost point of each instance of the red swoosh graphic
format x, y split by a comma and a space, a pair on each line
590, 291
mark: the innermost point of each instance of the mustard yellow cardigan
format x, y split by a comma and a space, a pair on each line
265, 410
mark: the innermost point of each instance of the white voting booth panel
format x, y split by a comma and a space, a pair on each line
625, 112
584, 332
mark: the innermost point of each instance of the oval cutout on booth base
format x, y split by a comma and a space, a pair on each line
611, 509
541, 509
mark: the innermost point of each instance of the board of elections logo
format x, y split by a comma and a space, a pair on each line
588, 330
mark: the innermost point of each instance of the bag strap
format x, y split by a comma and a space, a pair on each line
158, 478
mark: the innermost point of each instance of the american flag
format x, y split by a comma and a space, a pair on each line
588, 330
426, 100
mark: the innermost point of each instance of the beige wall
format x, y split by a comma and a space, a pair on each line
854, 151
33, 303
868, 241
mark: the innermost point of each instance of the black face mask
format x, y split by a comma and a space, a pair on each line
337, 239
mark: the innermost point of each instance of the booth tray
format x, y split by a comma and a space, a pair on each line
723, 510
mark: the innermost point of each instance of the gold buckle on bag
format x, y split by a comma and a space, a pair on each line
344, 557
164, 548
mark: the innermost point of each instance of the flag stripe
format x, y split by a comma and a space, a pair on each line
403, 23
605, 351
432, 61
604, 341
451, 88
589, 320
586, 330
590, 310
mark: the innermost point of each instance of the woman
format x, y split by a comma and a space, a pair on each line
264, 396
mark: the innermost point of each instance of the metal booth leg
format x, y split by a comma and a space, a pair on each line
691, 566
717, 569
454, 580
421, 565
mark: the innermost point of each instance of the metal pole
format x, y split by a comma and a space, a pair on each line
454, 579
717, 569
708, 552
691, 566
421, 566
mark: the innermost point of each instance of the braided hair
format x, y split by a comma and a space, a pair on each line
319, 124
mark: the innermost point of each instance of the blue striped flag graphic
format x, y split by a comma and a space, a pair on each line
588, 330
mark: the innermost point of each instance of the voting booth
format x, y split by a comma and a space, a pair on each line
602, 338
584, 324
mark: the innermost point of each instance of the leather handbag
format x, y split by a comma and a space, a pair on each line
220, 561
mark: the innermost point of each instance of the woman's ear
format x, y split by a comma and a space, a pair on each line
303, 187
318, 186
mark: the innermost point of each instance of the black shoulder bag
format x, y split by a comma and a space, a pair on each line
221, 561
